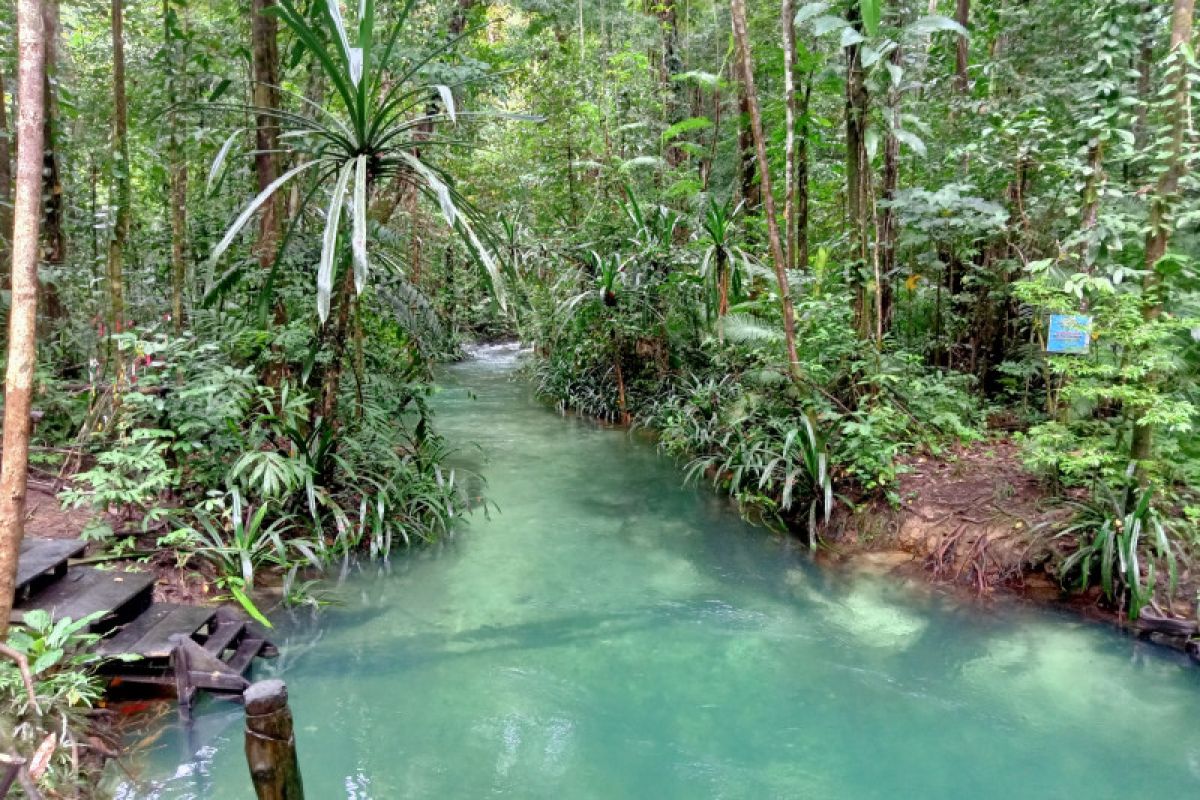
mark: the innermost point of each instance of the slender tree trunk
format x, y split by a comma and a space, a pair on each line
857, 172
675, 104
178, 171
53, 233
54, 237
886, 233
738, 11
962, 15
5, 189
265, 46
22, 318
802, 177
1145, 69
332, 378
619, 375
723, 281
750, 188
788, 20
1158, 235
121, 190
571, 193
1091, 197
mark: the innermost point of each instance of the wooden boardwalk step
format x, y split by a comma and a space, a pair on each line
247, 650
150, 634
224, 635
41, 556
85, 590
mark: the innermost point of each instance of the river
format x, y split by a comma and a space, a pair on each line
608, 633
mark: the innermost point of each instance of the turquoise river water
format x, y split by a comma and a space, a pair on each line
609, 633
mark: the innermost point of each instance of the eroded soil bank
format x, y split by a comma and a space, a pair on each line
977, 523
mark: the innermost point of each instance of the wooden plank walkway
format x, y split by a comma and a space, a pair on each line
44, 558
192, 648
149, 635
84, 591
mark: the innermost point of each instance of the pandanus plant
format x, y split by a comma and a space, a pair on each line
372, 132
724, 264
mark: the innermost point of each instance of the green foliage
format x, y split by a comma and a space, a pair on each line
1120, 537
1137, 372
63, 666
631, 252
372, 138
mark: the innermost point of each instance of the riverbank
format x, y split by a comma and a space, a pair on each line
973, 519
977, 520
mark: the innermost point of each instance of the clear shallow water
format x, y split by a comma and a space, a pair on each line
609, 634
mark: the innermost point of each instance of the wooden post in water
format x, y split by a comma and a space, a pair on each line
270, 743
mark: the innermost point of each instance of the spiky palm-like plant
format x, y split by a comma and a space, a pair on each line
724, 265
372, 132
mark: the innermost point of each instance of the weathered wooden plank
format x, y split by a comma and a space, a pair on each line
223, 637
185, 692
202, 670
40, 556
217, 681
242, 658
150, 634
84, 591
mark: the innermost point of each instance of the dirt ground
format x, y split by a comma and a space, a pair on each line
975, 519
45, 517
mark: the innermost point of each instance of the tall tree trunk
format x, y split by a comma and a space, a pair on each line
178, 170
53, 233
1091, 199
674, 101
962, 15
265, 47
121, 191
1145, 69
1158, 235
886, 233
738, 13
751, 190
22, 318
788, 20
802, 177
54, 236
5, 189
857, 173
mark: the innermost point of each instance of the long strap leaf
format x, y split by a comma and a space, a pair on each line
256, 204
359, 240
215, 170
333, 217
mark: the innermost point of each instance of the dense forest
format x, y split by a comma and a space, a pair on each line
804, 244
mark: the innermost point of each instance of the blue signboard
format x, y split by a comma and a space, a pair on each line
1069, 333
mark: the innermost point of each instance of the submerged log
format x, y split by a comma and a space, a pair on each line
271, 743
